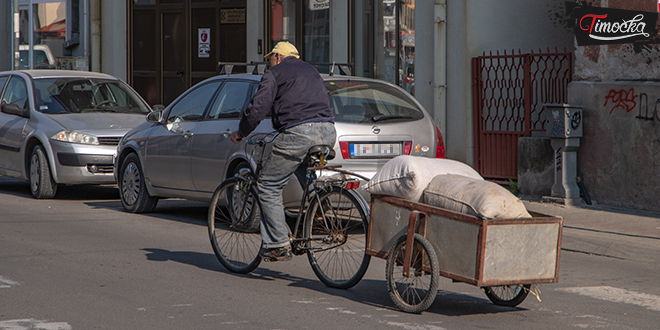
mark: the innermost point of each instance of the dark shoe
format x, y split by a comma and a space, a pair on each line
277, 254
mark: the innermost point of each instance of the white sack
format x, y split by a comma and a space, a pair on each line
486, 200
407, 176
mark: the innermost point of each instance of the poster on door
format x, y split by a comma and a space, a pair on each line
204, 43
319, 4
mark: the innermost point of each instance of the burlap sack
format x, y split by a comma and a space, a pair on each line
486, 200
407, 176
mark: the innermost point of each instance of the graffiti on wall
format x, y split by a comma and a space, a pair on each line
644, 108
558, 159
621, 99
626, 100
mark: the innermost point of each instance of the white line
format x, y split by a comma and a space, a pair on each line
28, 324
7, 283
617, 295
413, 326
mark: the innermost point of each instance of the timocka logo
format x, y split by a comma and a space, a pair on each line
601, 26
601, 29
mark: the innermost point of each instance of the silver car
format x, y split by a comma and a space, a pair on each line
184, 151
63, 127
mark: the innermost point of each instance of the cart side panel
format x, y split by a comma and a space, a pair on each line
456, 243
522, 253
388, 223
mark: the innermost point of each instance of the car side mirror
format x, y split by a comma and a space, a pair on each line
14, 109
155, 116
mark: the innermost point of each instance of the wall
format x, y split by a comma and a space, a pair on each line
619, 155
624, 61
536, 170
254, 16
6, 33
618, 86
114, 39
475, 27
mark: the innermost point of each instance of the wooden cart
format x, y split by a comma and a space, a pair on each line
504, 256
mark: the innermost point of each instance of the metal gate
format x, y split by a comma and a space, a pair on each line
508, 96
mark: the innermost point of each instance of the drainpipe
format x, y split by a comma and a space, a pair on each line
31, 37
440, 67
95, 36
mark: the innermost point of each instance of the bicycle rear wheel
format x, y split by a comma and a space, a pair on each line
336, 224
233, 222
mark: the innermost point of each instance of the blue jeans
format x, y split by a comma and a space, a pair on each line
289, 150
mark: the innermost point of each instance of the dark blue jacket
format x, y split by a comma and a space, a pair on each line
294, 91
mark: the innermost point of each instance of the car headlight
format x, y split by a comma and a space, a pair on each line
75, 137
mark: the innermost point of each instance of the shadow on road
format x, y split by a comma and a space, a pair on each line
200, 260
368, 291
21, 188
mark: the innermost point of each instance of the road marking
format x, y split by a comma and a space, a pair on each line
7, 283
32, 324
414, 326
617, 295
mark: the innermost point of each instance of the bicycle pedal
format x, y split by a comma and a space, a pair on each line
267, 259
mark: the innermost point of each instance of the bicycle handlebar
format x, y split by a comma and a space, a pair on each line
262, 141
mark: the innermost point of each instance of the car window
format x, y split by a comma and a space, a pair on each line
231, 100
370, 102
191, 107
16, 93
75, 95
40, 59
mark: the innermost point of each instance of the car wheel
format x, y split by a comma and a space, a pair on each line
42, 185
132, 187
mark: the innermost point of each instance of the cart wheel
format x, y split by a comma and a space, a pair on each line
416, 292
507, 295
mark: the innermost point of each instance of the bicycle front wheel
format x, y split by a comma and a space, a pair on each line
233, 222
336, 225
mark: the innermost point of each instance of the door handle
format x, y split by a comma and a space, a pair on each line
188, 134
227, 133
180, 72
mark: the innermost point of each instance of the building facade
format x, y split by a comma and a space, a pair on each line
162, 47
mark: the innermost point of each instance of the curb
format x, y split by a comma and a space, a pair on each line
606, 231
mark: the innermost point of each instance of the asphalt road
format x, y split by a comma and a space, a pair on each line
80, 262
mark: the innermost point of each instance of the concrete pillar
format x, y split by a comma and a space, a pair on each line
565, 185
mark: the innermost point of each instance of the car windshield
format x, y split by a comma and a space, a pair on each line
40, 59
370, 102
78, 95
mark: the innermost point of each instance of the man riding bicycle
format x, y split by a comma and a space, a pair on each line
294, 91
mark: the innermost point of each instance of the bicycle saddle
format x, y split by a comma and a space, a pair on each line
321, 150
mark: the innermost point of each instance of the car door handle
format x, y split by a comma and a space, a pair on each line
188, 134
227, 133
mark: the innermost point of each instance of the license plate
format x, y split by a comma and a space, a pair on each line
374, 150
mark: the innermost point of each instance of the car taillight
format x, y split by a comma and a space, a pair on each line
439, 144
407, 147
344, 149
408, 80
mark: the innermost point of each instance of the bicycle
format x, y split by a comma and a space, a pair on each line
330, 227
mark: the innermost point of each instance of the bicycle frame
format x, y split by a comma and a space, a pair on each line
312, 189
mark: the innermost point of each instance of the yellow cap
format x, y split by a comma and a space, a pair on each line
283, 48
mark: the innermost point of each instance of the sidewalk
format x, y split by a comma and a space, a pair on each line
600, 230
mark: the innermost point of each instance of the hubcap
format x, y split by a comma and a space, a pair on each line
131, 184
34, 173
